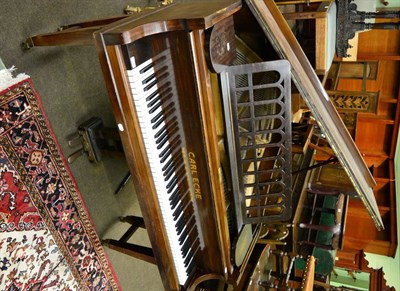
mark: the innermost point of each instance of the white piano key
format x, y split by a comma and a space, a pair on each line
139, 96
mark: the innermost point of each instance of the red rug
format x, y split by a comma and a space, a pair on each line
47, 241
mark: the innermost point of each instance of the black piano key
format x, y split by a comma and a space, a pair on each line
176, 180
167, 160
168, 173
168, 163
163, 135
165, 153
176, 198
167, 177
178, 209
183, 236
185, 247
150, 85
174, 163
164, 99
190, 267
156, 98
185, 218
188, 257
176, 193
146, 68
172, 183
163, 142
164, 88
152, 98
191, 254
154, 76
174, 157
168, 124
152, 64
162, 91
159, 118
173, 172
173, 202
187, 208
180, 224
172, 149
188, 249
169, 128
155, 107
190, 227
155, 81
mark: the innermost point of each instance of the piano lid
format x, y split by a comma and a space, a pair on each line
310, 87
176, 16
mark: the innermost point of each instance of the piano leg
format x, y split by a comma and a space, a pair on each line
136, 251
133, 250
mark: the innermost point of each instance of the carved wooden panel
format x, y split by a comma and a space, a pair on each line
377, 279
355, 101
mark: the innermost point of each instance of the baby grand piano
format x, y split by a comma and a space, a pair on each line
162, 69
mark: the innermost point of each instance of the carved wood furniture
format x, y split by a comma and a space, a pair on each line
377, 136
352, 70
350, 21
325, 29
328, 222
354, 101
357, 262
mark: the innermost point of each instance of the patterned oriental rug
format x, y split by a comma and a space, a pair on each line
47, 241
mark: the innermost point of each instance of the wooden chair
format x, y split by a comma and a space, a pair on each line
336, 229
325, 32
361, 70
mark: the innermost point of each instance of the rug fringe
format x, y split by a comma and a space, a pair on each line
7, 79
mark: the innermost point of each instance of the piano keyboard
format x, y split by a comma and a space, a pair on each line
154, 93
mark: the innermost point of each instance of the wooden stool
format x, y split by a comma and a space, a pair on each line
96, 141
